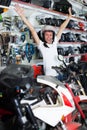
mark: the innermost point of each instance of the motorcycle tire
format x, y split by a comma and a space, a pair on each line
2, 127
82, 128
79, 118
11, 123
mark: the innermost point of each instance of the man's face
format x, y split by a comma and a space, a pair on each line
48, 35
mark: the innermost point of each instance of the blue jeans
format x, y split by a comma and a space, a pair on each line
61, 77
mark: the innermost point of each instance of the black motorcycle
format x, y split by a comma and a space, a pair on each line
15, 82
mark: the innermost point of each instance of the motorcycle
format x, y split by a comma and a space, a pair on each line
44, 103
70, 110
15, 81
72, 74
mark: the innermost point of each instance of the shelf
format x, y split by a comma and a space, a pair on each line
76, 31
45, 11
73, 43
78, 5
36, 8
74, 55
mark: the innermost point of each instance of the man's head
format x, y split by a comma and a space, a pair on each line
48, 34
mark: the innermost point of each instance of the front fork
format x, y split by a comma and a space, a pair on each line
60, 126
24, 119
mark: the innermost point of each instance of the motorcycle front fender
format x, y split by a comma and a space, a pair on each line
73, 125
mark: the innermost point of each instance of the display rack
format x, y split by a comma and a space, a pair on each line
35, 10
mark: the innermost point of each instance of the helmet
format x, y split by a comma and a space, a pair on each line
48, 28
44, 29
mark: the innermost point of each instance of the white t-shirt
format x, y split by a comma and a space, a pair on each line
50, 57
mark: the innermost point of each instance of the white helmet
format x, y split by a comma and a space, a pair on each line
48, 28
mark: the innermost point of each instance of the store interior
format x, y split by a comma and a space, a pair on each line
29, 99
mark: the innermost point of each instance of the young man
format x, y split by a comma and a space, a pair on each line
48, 46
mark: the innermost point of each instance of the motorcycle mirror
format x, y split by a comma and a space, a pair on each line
60, 57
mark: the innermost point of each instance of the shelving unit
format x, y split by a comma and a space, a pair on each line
82, 8
34, 12
51, 13
35, 8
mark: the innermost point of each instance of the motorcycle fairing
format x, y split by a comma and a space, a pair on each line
52, 114
58, 86
66, 101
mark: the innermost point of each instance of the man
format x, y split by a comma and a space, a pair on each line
48, 46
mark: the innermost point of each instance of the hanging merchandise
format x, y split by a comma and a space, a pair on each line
48, 3
69, 51
83, 49
18, 59
81, 37
29, 51
62, 6
1, 19
7, 23
27, 34
23, 37
18, 22
4, 3
55, 22
60, 51
72, 24
1, 40
15, 55
63, 38
81, 25
17, 39
70, 37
